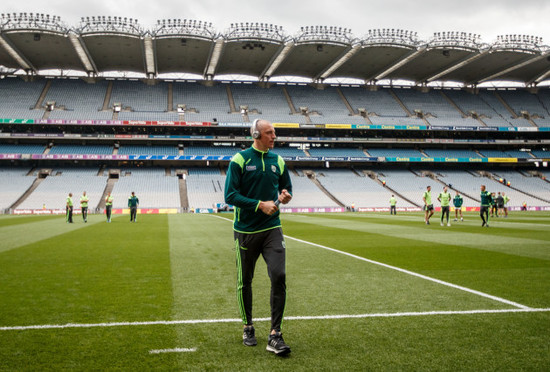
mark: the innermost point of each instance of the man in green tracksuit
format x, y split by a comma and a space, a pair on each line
257, 181
133, 203
84, 206
486, 202
457, 202
69, 208
445, 199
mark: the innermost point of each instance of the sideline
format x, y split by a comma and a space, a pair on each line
238, 320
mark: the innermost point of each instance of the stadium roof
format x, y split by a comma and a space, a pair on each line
98, 45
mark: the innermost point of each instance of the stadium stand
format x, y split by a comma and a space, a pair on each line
13, 183
326, 103
21, 149
526, 183
267, 102
307, 195
81, 149
19, 99
406, 183
211, 150
147, 150
78, 100
151, 185
379, 102
205, 187
209, 102
451, 153
431, 102
353, 189
521, 100
395, 152
328, 152
52, 191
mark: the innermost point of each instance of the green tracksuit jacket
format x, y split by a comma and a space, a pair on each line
255, 176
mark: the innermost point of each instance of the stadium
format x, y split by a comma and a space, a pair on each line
109, 106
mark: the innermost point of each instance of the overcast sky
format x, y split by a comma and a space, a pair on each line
487, 18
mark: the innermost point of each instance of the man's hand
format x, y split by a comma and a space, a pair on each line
268, 207
284, 196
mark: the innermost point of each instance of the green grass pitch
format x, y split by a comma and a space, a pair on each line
365, 292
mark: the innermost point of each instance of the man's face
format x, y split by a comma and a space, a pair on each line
444, 189
267, 139
482, 188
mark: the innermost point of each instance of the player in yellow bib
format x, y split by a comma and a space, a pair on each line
444, 198
84, 206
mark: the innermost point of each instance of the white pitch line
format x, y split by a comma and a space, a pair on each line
238, 320
176, 350
412, 273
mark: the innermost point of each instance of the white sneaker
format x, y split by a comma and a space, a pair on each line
448, 224
441, 223
461, 219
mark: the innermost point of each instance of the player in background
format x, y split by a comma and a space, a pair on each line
69, 208
506, 200
428, 206
84, 206
257, 181
444, 198
486, 202
457, 202
133, 203
500, 204
493, 206
108, 206
393, 202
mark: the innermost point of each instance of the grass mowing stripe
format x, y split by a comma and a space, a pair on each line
18, 235
296, 317
435, 234
102, 272
482, 294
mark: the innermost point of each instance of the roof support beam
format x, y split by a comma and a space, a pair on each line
540, 78
276, 61
346, 56
515, 67
23, 62
82, 53
400, 64
454, 67
149, 51
214, 57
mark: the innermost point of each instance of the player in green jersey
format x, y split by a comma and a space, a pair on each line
84, 206
457, 202
257, 181
428, 206
133, 203
393, 202
444, 198
486, 202
108, 206
69, 208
